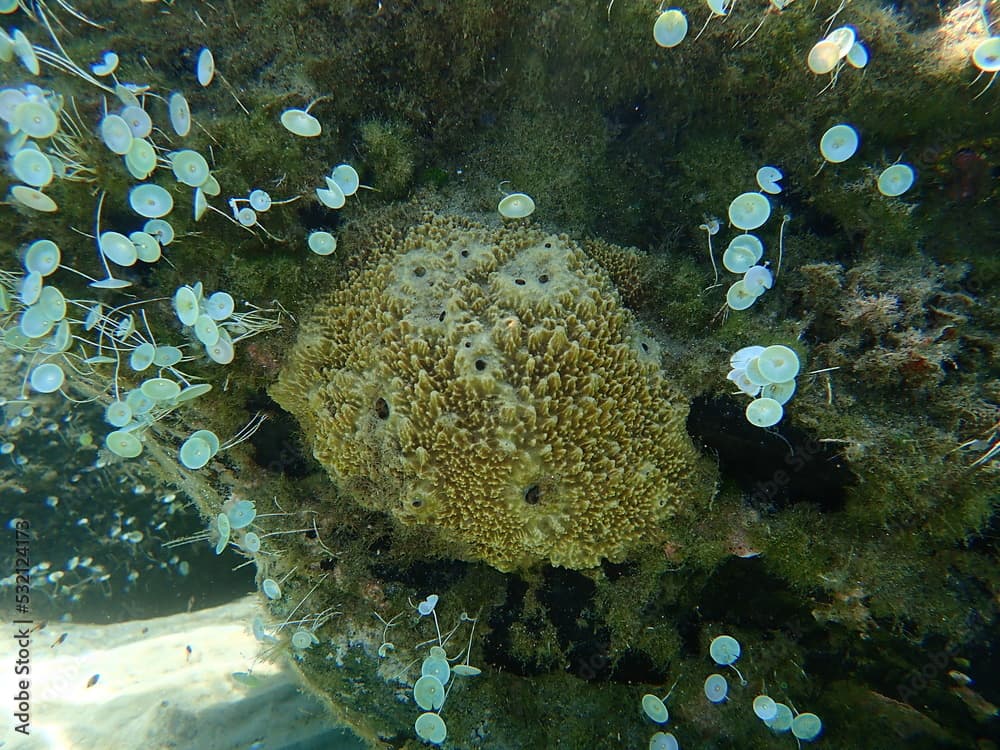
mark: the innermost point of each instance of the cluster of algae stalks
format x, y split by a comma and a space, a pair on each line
853, 590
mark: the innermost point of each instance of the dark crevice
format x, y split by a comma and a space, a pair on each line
276, 446
773, 467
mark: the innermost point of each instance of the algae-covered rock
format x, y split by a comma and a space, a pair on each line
487, 383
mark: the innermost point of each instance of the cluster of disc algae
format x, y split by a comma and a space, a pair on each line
488, 385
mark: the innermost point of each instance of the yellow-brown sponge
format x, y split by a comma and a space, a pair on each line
488, 385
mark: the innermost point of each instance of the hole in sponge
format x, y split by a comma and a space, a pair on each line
480, 364
381, 408
532, 495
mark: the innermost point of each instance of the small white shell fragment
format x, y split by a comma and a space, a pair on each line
211, 186
738, 297
34, 323
150, 201
36, 119
107, 65
189, 167
670, 28
123, 444
751, 242
53, 303
896, 180
749, 210
32, 166
765, 708
271, 588
716, 688
220, 306
126, 93
780, 392
778, 364
31, 288
17, 142
222, 351
331, 196
764, 412
516, 206
140, 159
200, 204
160, 229
844, 37
116, 134
857, 57
738, 258
139, 121
346, 177
986, 55
206, 330
246, 216
301, 123
9, 100
768, 179
58, 166
42, 256
146, 246
654, 708
118, 248
839, 143
35, 199
322, 243
6, 43
25, 52
742, 357
47, 378
180, 114
741, 381
109, 283
205, 70
757, 280
260, 200
186, 305
823, 57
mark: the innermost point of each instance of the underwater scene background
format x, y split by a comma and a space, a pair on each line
500, 375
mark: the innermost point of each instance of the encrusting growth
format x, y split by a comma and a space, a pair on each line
487, 384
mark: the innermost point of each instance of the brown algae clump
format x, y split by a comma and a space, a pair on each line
488, 385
